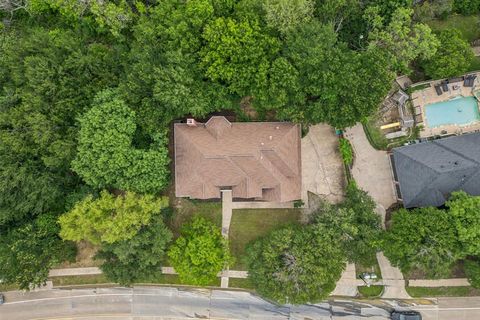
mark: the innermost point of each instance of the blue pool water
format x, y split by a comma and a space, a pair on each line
459, 110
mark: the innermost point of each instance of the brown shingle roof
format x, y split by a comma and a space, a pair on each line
258, 160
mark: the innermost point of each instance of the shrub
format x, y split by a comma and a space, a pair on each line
472, 271
346, 151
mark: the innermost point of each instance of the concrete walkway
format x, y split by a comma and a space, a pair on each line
348, 283
458, 282
262, 205
226, 211
392, 279
371, 169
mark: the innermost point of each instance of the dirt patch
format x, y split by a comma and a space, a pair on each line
85, 256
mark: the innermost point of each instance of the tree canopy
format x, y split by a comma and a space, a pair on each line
296, 265
109, 218
422, 239
200, 253
139, 258
106, 157
453, 57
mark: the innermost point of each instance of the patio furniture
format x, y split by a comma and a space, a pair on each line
418, 110
444, 85
438, 89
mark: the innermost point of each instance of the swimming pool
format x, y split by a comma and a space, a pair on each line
459, 110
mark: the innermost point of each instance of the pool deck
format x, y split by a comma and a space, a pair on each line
421, 98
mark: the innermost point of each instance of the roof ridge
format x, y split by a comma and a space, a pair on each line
455, 152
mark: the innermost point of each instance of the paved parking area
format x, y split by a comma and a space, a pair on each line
322, 167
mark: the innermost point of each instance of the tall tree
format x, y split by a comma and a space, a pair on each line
139, 258
47, 79
465, 212
109, 219
29, 251
422, 239
200, 253
356, 223
106, 157
453, 57
285, 15
402, 39
296, 265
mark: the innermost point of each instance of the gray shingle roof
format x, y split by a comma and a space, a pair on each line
428, 172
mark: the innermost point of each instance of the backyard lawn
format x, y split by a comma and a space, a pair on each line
469, 26
250, 224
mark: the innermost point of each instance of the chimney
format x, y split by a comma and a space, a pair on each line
191, 122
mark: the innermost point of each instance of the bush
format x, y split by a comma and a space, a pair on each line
200, 253
472, 271
346, 151
466, 7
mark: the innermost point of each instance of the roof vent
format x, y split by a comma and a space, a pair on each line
191, 122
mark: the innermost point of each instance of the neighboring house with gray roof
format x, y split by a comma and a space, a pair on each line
427, 173
256, 160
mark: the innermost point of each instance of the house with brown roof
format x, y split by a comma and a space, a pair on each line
256, 160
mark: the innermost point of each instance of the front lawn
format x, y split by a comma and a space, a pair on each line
370, 292
427, 292
185, 209
250, 224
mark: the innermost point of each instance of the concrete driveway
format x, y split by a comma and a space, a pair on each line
371, 169
322, 167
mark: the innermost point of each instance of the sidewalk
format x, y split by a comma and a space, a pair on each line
392, 279
458, 282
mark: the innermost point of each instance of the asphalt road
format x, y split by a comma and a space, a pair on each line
144, 303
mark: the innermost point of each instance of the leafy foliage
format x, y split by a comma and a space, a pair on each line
453, 57
472, 271
285, 15
466, 7
106, 157
356, 224
346, 151
465, 212
139, 258
403, 40
109, 219
200, 253
28, 252
422, 238
296, 265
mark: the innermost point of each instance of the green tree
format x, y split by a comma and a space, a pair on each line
472, 271
109, 219
106, 157
296, 265
47, 79
285, 15
422, 239
453, 57
239, 54
357, 225
28, 252
402, 39
139, 258
466, 7
465, 212
200, 253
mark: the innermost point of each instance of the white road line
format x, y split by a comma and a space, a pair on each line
106, 295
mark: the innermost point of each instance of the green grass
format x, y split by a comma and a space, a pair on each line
475, 65
370, 292
250, 224
374, 135
186, 209
419, 292
410, 90
79, 280
240, 283
469, 26
8, 287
